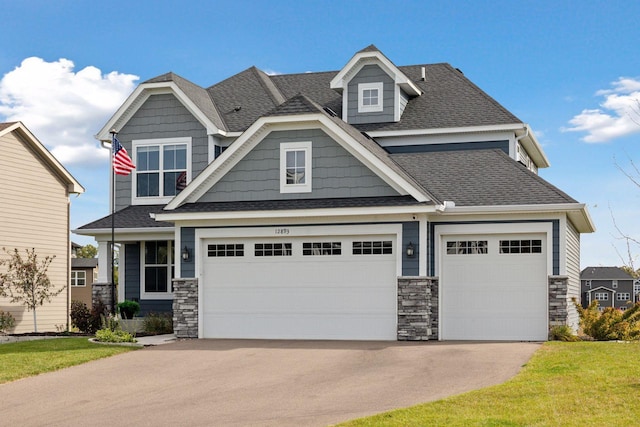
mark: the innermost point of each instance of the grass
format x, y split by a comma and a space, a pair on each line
564, 384
27, 358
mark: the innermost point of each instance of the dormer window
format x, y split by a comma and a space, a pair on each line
370, 97
295, 167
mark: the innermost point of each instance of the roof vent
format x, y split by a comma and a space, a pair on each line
424, 73
330, 112
237, 108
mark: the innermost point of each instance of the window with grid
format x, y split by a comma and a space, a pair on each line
602, 296
370, 97
520, 246
295, 167
78, 278
467, 247
158, 267
272, 249
225, 250
321, 248
623, 296
373, 247
161, 168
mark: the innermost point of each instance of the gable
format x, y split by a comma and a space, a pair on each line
336, 173
161, 117
370, 74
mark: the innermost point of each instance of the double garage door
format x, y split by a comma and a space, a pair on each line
302, 287
494, 287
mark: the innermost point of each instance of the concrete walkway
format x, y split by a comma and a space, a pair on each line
257, 383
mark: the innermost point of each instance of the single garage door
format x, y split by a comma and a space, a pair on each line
341, 287
494, 287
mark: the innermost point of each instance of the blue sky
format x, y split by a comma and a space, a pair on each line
570, 69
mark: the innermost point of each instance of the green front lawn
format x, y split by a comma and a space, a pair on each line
564, 384
24, 359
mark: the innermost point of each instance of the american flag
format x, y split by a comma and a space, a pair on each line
122, 163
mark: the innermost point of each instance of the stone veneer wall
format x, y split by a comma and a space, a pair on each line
101, 292
417, 308
185, 308
558, 301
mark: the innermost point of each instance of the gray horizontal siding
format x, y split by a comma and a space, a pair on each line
410, 234
335, 174
161, 116
371, 74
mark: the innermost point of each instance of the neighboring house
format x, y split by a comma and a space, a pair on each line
611, 286
34, 214
83, 273
293, 206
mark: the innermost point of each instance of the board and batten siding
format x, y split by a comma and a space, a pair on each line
34, 214
335, 173
371, 74
162, 116
573, 273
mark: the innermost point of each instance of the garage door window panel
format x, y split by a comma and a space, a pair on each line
376, 247
226, 250
467, 247
272, 249
321, 248
521, 246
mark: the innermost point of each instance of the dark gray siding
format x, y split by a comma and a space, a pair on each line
458, 146
132, 283
161, 116
371, 74
188, 238
410, 234
336, 173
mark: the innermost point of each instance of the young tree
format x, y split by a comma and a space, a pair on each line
25, 280
87, 251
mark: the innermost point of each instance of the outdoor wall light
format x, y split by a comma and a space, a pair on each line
185, 254
410, 250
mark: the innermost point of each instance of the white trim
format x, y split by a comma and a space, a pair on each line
306, 147
379, 86
423, 244
71, 280
160, 142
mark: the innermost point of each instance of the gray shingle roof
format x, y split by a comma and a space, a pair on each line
479, 178
84, 262
275, 205
135, 216
604, 273
6, 125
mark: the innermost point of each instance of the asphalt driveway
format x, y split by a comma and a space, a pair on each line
257, 383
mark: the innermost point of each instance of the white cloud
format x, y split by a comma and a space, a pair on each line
618, 115
63, 108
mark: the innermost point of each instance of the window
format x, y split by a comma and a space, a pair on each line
272, 249
373, 248
295, 167
162, 168
225, 250
466, 247
623, 296
602, 296
78, 278
520, 246
370, 97
322, 248
636, 287
587, 283
614, 284
157, 269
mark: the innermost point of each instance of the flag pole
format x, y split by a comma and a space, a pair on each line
113, 224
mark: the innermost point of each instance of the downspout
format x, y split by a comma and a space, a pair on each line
518, 138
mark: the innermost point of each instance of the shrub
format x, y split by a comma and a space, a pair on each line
7, 321
128, 309
158, 323
111, 331
87, 321
562, 333
610, 323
